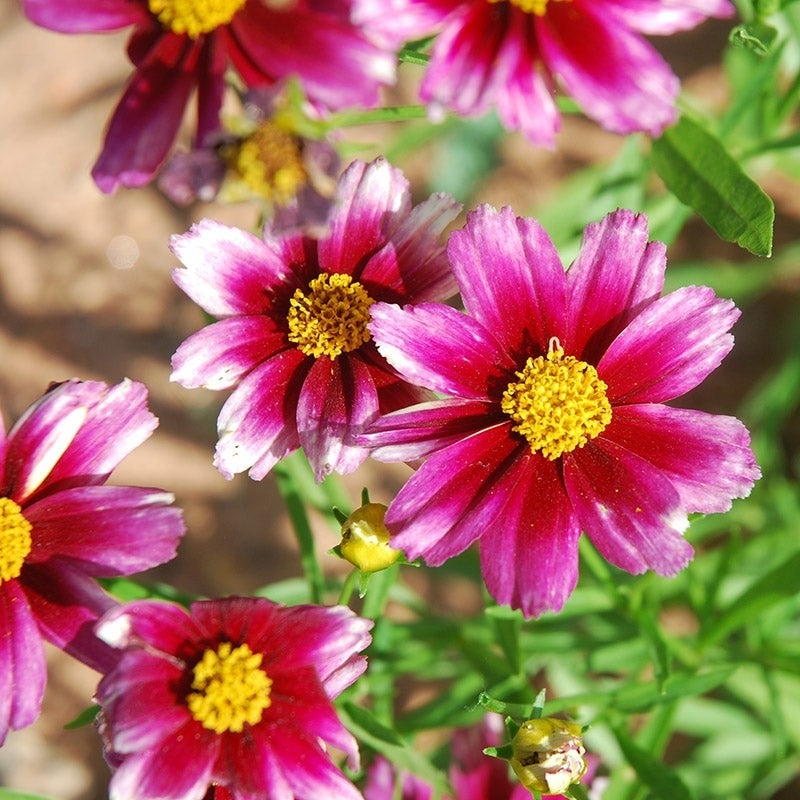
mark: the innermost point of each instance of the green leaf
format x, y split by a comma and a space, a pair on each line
86, 717
10, 794
701, 173
755, 36
662, 781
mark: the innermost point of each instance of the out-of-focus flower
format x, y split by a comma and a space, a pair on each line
549, 755
229, 699
365, 540
556, 420
178, 46
510, 54
293, 335
260, 156
60, 528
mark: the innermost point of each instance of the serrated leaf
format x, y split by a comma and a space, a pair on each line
700, 172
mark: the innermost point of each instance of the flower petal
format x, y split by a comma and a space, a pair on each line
664, 16
23, 672
620, 81
511, 279
616, 274
220, 355
257, 425
435, 346
455, 496
707, 457
668, 349
84, 16
227, 271
337, 401
628, 508
110, 530
67, 604
529, 556
247, 766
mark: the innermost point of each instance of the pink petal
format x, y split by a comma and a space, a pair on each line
23, 672
257, 425
455, 496
663, 16
417, 432
110, 530
211, 69
628, 508
412, 265
620, 81
529, 556
337, 401
146, 120
247, 766
161, 772
511, 279
371, 202
84, 16
671, 347
435, 346
67, 604
616, 274
395, 22
707, 457
220, 355
228, 271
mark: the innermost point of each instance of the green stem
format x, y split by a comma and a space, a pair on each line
348, 587
349, 119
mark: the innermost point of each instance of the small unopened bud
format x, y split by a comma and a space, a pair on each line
548, 755
365, 540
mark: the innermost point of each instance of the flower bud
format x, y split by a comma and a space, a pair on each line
548, 755
365, 540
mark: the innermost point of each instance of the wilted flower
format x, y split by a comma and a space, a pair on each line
510, 54
293, 335
179, 46
556, 420
60, 528
230, 698
549, 755
365, 540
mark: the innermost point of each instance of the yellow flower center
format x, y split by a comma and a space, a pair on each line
331, 317
230, 689
558, 404
270, 163
15, 539
194, 17
537, 7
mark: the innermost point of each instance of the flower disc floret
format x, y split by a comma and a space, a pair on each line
558, 404
15, 539
229, 689
331, 317
194, 17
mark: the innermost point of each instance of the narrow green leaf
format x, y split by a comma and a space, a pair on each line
701, 173
10, 794
756, 36
86, 717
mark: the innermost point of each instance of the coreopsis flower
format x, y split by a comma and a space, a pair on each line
292, 335
177, 47
229, 698
260, 155
511, 55
549, 755
365, 539
60, 528
555, 419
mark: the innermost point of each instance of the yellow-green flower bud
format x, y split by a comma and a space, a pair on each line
365, 540
548, 755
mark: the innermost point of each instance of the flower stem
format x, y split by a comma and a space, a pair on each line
349, 119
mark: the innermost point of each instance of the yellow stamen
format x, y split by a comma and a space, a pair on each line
269, 162
331, 317
194, 17
537, 7
559, 403
15, 539
231, 690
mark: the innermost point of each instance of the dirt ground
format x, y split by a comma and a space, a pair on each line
85, 291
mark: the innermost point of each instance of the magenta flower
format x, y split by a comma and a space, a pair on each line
60, 527
555, 421
511, 54
233, 693
179, 46
293, 335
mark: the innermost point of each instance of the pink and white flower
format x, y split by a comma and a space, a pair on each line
177, 47
233, 694
512, 55
555, 419
292, 333
60, 528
